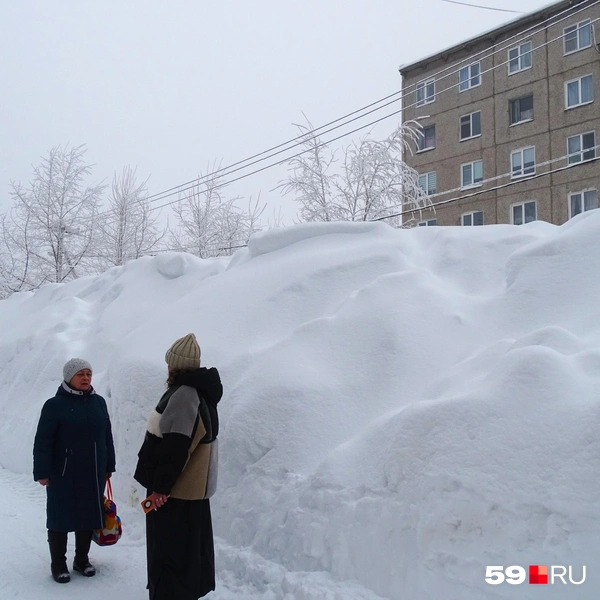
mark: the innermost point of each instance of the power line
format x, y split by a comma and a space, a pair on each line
287, 159
179, 189
499, 187
485, 7
413, 210
161, 195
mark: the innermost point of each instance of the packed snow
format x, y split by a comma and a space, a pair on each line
402, 408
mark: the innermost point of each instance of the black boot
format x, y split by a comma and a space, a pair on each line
81, 563
57, 540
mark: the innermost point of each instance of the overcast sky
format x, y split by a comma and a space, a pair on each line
170, 87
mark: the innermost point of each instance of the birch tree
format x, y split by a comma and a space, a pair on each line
372, 181
47, 234
209, 224
130, 228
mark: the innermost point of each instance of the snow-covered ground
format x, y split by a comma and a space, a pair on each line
401, 409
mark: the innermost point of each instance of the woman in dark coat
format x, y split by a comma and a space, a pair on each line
177, 466
73, 454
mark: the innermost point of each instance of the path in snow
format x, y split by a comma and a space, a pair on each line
25, 569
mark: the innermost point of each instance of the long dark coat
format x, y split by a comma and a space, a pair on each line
179, 535
74, 449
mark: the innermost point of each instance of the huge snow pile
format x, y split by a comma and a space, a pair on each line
402, 407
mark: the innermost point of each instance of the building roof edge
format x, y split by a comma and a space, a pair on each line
542, 13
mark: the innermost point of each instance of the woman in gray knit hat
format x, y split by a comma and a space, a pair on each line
177, 466
73, 454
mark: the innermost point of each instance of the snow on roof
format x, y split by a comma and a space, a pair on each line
532, 16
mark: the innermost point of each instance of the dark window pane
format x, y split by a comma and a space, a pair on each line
575, 204
589, 141
530, 212
478, 218
590, 200
476, 123
465, 127
518, 214
526, 105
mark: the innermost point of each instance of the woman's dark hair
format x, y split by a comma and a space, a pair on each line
175, 373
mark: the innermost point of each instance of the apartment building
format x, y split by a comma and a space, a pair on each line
511, 121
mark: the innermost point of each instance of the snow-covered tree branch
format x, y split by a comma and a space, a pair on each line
372, 182
130, 229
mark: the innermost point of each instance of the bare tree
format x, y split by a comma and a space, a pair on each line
373, 182
130, 229
48, 232
211, 225
311, 180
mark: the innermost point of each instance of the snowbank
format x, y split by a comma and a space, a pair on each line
402, 408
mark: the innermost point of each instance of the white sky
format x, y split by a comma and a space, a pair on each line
171, 86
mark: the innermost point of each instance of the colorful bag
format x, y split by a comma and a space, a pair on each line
112, 530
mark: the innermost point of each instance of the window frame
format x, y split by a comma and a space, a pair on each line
428, 175
427, 223
582, 194
578, 80
519, 58
423, 85
422, 136
522, 205
510, 110
577, 27
470, 137
581, 150
470, 77
474, 184
471, 213
521, 151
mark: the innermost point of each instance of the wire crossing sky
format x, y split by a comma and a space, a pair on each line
506, 10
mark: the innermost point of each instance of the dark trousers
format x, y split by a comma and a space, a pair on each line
57, 540
179, 542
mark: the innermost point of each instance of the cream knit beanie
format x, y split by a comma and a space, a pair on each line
184, 353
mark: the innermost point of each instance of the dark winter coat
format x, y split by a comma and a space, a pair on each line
182, 430
74, 449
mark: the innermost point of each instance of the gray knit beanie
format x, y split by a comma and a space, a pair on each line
74, 366
184, 353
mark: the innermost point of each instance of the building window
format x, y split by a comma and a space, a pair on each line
427, 138
577, 37
469, 77
471, 174
425, 92
427, 223
472, 218
582, 201
523, 213
579, 91
428, 182
519, 58
521, 109
522, 162
470, 126
581, 147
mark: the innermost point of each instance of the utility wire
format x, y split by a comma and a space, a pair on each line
413, 210
438, 76
498, 187
288, 158
179, 189
485, 7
